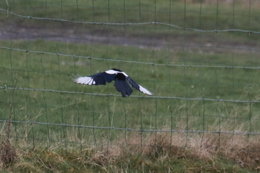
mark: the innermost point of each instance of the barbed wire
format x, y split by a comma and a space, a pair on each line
128, 129
4, 11
133, 96
130, 61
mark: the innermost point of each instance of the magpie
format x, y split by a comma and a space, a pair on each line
123, 82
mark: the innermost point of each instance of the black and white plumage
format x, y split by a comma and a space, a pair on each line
123, 82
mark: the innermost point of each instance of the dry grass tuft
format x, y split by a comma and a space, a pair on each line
246, 156
156, 151
161, 145
8, 154
107, 156
202, 147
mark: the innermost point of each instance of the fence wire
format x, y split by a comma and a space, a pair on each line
131, 61
40, 100
130, 129
128, 23
133, 96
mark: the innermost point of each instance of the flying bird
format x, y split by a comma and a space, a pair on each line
123, 82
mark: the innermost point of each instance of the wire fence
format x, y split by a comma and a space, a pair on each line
131, 61
134, 96
127, 23
196, 91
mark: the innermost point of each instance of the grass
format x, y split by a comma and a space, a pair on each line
190, 15
198, 14
54, 147
160, 153
28, 70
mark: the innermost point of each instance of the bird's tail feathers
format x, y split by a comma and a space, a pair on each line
144, 90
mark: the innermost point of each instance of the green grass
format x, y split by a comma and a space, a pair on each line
28, 70
190, 15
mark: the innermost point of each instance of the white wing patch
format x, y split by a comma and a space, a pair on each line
85, 80
144, 90
111, 72
116, 72
125, 74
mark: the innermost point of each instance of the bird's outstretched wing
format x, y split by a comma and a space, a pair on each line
137, 86
123, 87
123, 82
97, 79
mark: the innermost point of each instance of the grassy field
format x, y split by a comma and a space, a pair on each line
41, 71
77, 118
218, 14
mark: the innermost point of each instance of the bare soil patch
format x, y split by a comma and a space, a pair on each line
79, 34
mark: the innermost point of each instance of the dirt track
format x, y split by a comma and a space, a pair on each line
75, 35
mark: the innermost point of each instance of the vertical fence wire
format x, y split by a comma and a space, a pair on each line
233, 12
171, 84
187, 106
108, 124
12, 112
171, 125
61, 8
141, 131
28, 113
203, 122
140, 10
63, 137
232, 59
46, 6
45, 105
93, 10
155, 126
76, 103
200, 14
124, 112
219, 125
217, 14
249, 12
108, 10
185, 14
125, 126
154, 120
202, 112
155, 11
77, 9
250, 119
170, 12
93, 129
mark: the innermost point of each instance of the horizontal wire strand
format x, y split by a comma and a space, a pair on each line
133, 96
128, 129
130, 61
127, 23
